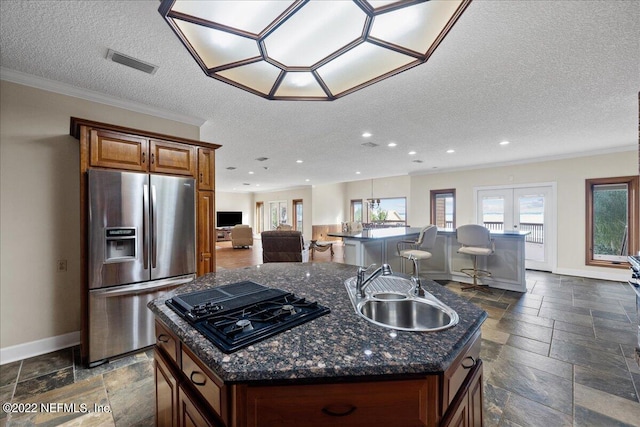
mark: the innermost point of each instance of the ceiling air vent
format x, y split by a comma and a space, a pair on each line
262, 159
417, 161
369, 144
129, 61
231, 168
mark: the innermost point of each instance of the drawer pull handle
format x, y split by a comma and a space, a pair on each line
193, 373
341, 411
467, 365
163, 338
144, 157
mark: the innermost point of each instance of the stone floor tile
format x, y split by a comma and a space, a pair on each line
565, 306
597, 305
9, 373
621, 334
528, 413
589, 357
536, 320
44, 383
524, 329
565, 316
132, 380
548, 364
522, 309
617, 408
587, 418
587, 331
82, 372
495, 400
80, 398
608, 346
491, 334
621, 386
46, 364
6, 394
527, 344
490, 350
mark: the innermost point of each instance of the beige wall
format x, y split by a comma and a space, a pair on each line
396, 186
237, 202
327, 206
40, 207
569, 176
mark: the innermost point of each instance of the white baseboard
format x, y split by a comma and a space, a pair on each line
614, 275
38, 347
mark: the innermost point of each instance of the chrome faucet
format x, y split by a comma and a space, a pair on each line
362, 283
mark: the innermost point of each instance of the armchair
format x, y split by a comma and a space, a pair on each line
282, 246
241, 236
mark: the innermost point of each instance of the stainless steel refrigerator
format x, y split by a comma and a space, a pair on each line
141, 244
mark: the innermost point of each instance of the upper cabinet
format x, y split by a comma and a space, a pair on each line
117, 150
206, 169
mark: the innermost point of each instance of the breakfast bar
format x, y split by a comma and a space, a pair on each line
378, 246
337, 369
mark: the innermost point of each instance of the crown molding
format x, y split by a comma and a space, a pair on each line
30, 80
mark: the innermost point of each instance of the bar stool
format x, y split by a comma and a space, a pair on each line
418, 248
476, 241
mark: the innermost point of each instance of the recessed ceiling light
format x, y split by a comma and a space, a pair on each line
298, 161
366, 135
391, 144
451, 151
504, 143
307, 180
358, 173
412, 153
250, 172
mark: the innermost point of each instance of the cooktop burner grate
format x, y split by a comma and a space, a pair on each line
237, 315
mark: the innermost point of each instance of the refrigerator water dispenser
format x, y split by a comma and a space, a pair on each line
121, 244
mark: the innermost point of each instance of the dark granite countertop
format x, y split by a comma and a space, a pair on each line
340, 344
377, 233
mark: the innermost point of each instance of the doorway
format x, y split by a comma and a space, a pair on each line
523, 208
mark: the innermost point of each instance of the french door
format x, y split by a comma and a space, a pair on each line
523, 208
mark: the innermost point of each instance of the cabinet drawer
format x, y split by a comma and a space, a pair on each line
167, 341
460, 368
384, 403
203, 381
173, 158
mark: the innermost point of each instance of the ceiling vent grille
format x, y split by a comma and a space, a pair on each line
129, 61
369, 144
231, 168
262, 159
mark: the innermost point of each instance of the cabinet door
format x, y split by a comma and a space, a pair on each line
475, 398
189, 413
466, 408
206, 236
171, 157
166, 393
117, 150
206, 169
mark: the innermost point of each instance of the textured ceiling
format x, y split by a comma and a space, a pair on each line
556, 78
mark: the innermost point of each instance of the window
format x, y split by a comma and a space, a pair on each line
612, 220
356, 210
392, 211
277, 214
297, 211
443, 208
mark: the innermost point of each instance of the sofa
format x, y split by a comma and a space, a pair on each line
241, 236
282, 246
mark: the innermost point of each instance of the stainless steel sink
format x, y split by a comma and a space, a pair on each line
392, 303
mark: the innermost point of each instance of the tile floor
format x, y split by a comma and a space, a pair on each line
559, 355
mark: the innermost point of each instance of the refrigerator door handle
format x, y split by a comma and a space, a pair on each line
154, 240
145, 226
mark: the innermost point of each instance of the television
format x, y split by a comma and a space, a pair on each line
228, 218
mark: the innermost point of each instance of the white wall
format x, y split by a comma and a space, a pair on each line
569, 176
237, 202
40, 208
327, 204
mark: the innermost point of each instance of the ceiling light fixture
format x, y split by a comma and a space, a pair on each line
412, 153
298, 161
451, 151
504, 143
373, 203
391, 144
309, 49
366, 135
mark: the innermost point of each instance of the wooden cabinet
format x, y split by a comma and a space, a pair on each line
206, 170
117, 150
203, 399
206, 241
166, 392
380, 403
466, 408
172, 158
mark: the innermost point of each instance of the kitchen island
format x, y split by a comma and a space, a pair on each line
378, 246
338, 369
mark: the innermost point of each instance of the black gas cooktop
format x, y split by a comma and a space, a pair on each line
237, 315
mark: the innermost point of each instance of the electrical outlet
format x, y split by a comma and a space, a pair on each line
62, 265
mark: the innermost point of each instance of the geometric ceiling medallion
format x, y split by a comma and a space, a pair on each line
309, 49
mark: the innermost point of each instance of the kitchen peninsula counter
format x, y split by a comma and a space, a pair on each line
378, 246
333, 349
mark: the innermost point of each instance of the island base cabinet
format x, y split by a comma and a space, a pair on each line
166, 392
189, 413
466, 409
383, 403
